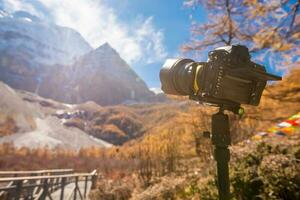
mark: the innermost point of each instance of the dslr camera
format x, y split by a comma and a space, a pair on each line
228, 78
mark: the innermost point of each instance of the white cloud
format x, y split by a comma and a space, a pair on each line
138, 42
15, 5
156, 90
151, 41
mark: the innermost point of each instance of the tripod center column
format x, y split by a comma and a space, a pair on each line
221, 140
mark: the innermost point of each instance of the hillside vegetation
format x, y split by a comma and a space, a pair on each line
123, 123
175, 160
163, 153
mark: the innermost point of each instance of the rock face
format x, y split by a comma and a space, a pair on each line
101, 76
56, 62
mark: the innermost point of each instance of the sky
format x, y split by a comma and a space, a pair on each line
144, 32
171, 18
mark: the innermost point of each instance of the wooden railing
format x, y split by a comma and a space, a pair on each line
54, 186
35, 173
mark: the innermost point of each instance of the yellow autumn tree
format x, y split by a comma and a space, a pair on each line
271, 29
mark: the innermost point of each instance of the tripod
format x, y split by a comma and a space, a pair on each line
221, 140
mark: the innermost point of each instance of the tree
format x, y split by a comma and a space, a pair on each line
270, 28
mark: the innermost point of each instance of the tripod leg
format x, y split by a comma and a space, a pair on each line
223, 173
221, 141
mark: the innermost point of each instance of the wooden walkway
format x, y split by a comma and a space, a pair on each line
69, 194
57, 184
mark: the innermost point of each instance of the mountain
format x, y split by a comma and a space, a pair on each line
29, 48
27, 120
57, 63
15, 114
101, 76
44, 43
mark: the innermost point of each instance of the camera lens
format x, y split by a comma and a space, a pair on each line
177, 76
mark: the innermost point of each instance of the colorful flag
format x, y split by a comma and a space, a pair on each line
290, 126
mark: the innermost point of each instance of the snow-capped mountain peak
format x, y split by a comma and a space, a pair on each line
45, 43
106, 48
25, 16
57, 63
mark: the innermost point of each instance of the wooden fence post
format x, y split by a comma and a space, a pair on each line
85, 186
62, 188
75, 189
18, 190
94, 180
45, 189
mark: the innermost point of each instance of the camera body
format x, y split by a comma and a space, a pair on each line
229, 77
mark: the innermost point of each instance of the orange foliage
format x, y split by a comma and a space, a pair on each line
268, 27
8, 127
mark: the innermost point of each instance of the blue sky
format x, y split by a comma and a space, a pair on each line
144, 32
170, 17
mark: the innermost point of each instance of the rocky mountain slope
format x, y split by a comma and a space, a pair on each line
27, 120
101, 76
56, 62
29, 48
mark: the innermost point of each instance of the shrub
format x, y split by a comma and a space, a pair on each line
8, 127
109, 133
108, 190
264, 170
269, 171
75, 122
280, 177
